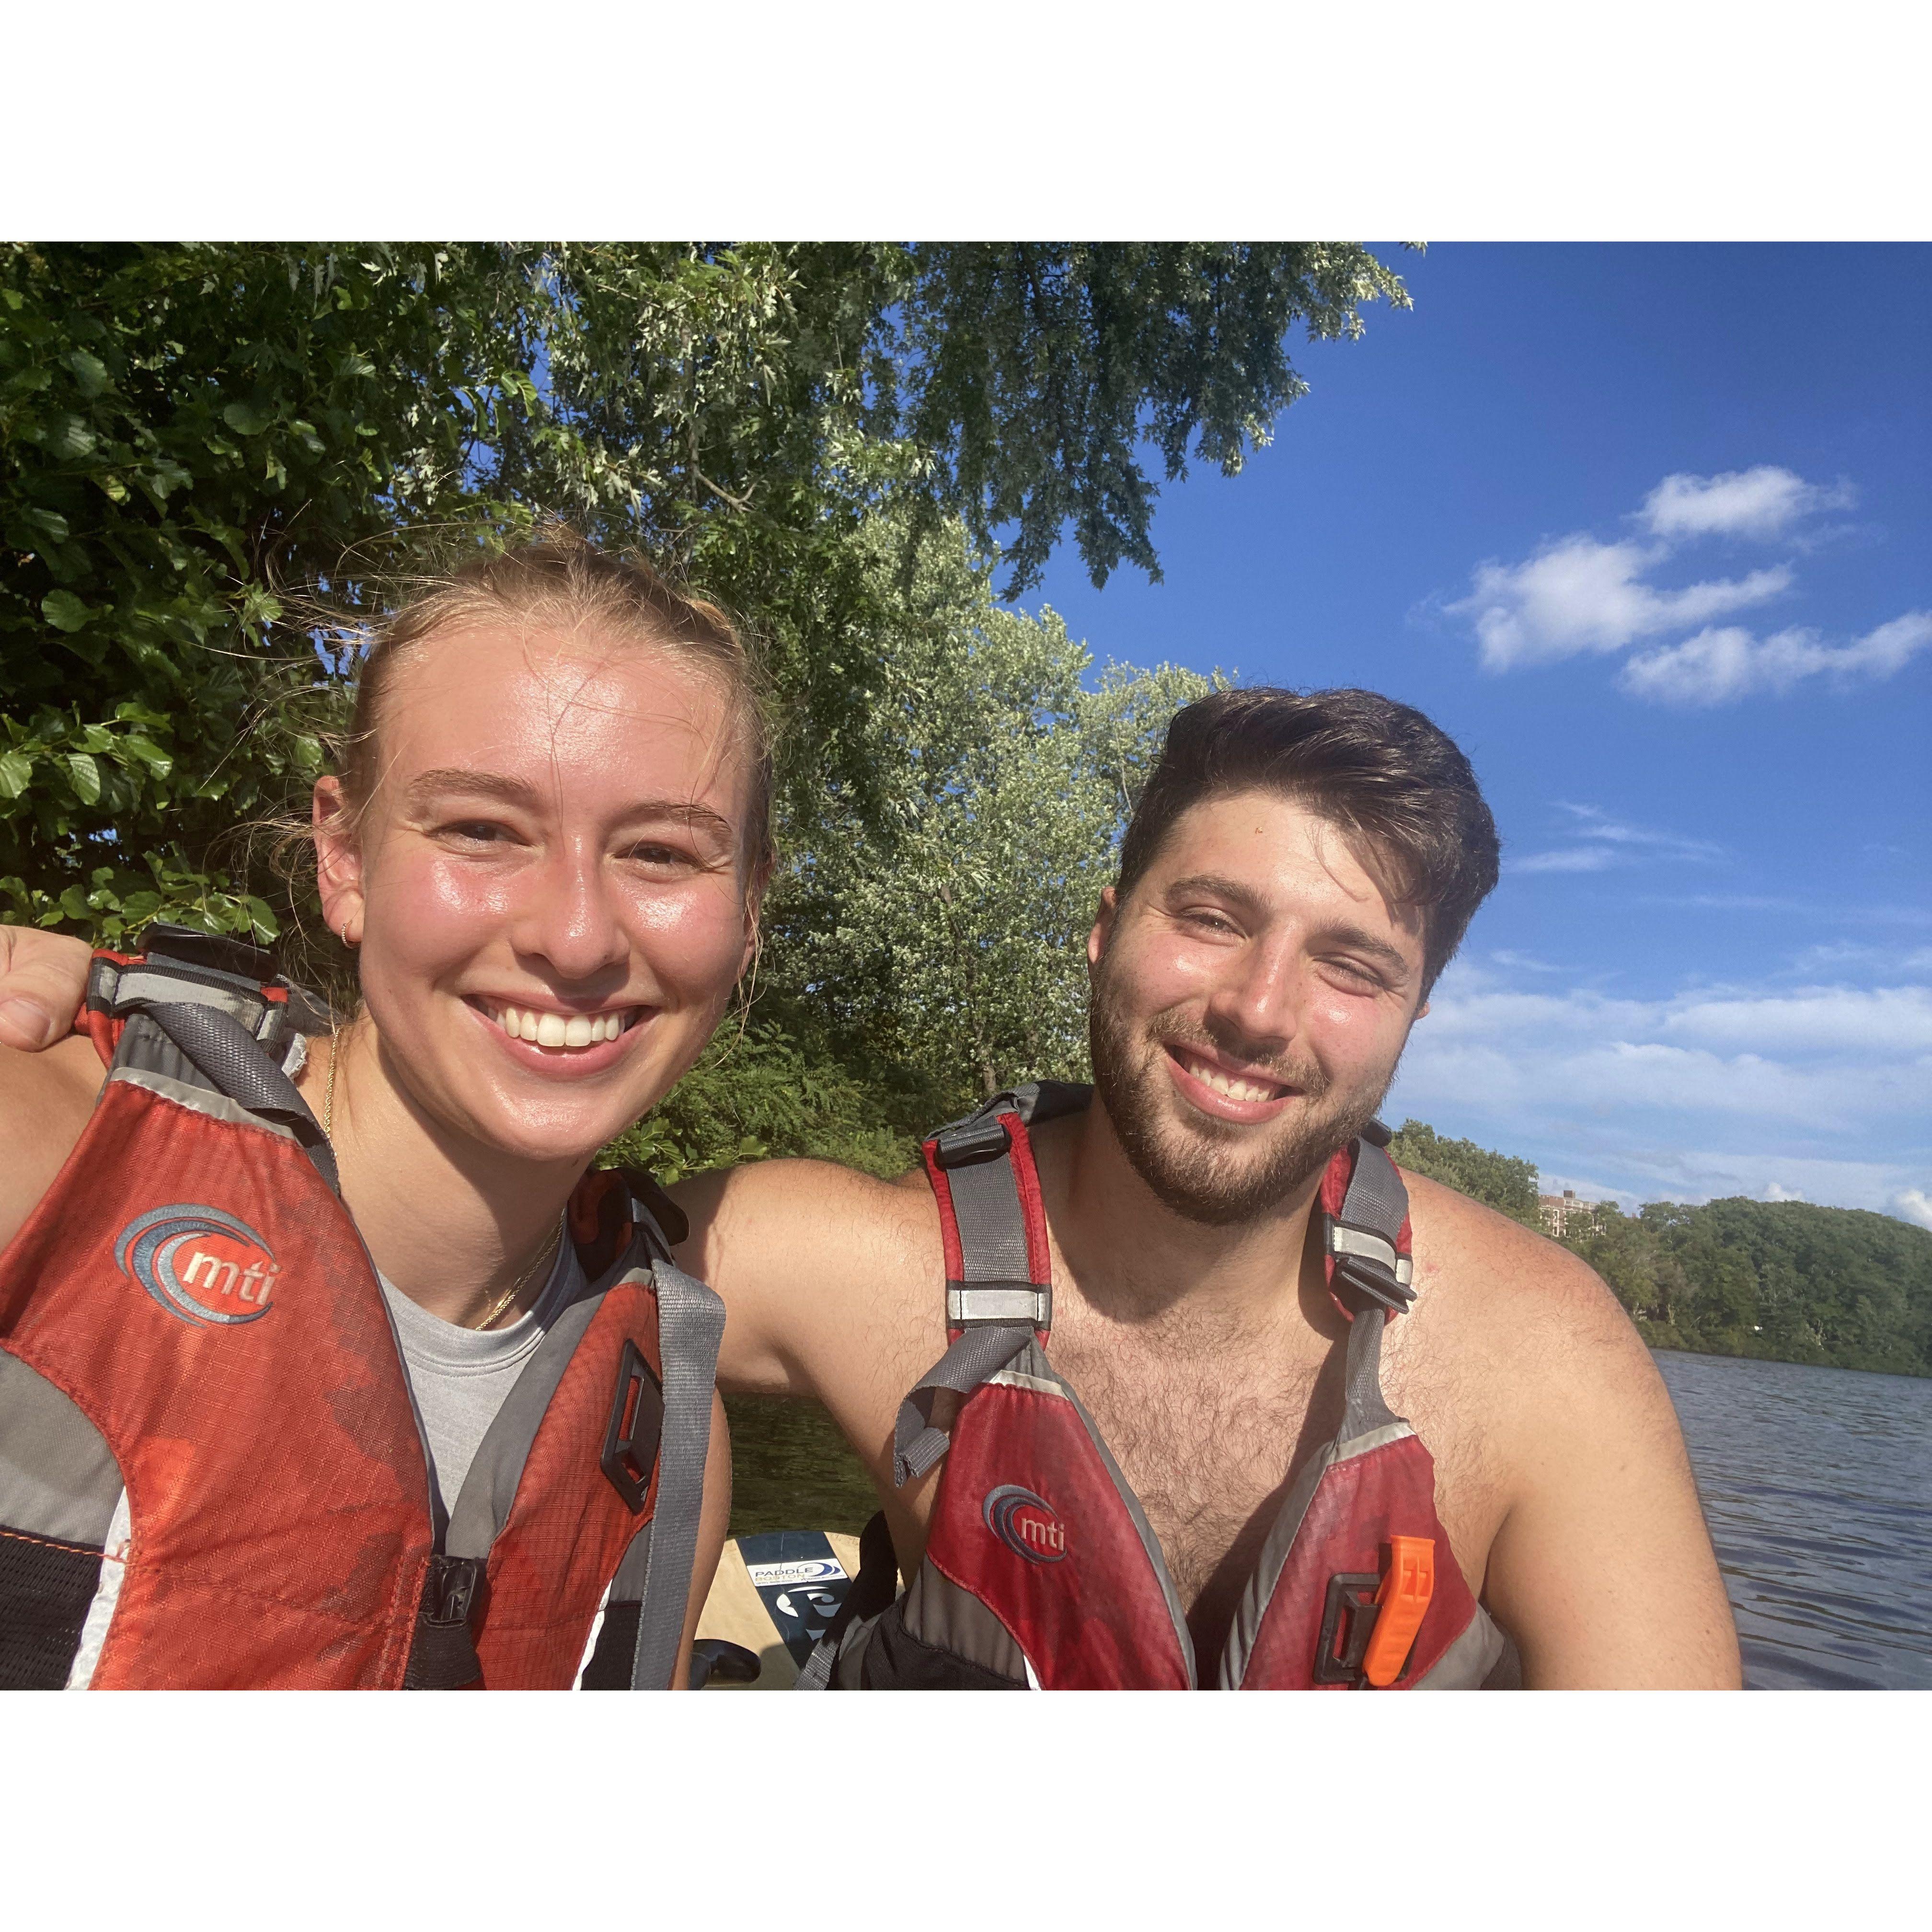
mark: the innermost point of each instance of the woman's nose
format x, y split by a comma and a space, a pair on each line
570, 920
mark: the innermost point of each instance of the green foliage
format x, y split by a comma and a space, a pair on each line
1498, 1180
935, 932
190, 434
1781, 1279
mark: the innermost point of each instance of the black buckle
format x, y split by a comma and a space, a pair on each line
975, 1140
1349, 1613
631, 1436
449, 1592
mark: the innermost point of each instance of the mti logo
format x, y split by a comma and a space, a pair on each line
1025, 1523
189, 1258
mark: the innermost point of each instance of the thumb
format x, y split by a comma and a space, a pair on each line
42, 977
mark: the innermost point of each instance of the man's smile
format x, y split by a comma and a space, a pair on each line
1228, 1090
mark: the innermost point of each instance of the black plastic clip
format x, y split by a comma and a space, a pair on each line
631, 1436
1348, 1621
976, 1141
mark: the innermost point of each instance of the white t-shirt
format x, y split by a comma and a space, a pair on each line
460, 1377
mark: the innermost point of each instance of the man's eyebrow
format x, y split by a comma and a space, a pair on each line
1248, 900
1232, 890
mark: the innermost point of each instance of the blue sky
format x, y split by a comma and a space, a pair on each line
1648, 531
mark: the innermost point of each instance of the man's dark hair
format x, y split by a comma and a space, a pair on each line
1377, 770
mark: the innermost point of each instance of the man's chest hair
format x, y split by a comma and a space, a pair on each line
1209, 1430
1204, 1436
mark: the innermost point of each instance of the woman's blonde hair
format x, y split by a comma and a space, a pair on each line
556, 580
559, 580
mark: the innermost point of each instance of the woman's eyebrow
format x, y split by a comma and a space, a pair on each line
462, 782
427, 785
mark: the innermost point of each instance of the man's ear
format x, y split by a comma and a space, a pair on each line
338, 861
1103, 926
1421, 1012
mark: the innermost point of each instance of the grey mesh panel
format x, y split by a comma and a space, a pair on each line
1366, 1408
1365, 1414
992, 1227
196, 1094
58, 1477
223, 1050
691, 1322
936, 1611
139, 986
1469, 1659
627, 1586
483, 1506
1038, 1366
1376, 1198
145, 1048
978, 1354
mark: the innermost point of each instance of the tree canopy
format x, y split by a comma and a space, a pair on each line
192, 434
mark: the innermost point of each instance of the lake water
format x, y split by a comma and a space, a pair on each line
1817, 1483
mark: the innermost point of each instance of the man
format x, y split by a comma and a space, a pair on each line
1298, 871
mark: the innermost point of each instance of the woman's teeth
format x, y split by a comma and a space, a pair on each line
543, 1029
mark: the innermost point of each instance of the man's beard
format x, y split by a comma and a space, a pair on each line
1192, 1166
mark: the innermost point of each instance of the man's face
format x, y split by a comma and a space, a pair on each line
1251, 997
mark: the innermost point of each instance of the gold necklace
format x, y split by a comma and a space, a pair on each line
329, 1095
529, 1275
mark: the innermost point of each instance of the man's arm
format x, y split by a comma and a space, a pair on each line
1602, 1569
42, 977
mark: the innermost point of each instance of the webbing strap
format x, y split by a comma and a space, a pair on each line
691, 1323
226, 1055
1364, 1239
992, 1223
979, 1353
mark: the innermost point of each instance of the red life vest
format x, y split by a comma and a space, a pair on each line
212, 1473
1040, 1568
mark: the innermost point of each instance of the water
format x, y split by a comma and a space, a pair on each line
1817, 1483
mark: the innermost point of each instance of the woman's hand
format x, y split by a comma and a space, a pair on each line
43, 977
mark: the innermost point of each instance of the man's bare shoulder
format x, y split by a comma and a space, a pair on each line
45, 1100
1513, 1291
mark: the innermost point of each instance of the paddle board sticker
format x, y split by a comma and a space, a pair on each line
800, 1580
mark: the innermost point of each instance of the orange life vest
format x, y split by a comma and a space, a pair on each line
212, 1473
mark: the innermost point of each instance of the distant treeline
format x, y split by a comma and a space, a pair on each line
1783, 1280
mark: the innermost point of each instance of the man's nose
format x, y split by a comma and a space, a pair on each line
1257, 998
570, 918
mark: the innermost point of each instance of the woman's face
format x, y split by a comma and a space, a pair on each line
548, 887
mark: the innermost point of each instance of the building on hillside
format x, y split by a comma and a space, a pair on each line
1564, 1214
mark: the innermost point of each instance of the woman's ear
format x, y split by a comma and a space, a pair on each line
338, 860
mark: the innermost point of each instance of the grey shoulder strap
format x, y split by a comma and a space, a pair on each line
691, 1324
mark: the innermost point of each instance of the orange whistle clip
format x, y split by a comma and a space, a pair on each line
1403, 1602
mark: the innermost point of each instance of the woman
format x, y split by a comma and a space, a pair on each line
245, 1440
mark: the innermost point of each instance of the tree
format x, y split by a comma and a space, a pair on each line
1497, 1180
942, 934
190, 432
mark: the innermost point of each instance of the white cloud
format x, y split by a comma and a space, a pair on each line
1823, 1092
1611, 842
1571, 858
1913, 1204
1764, 502
1579, 595
1718, 667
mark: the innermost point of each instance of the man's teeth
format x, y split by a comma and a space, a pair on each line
1234, 1090
558, 1029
